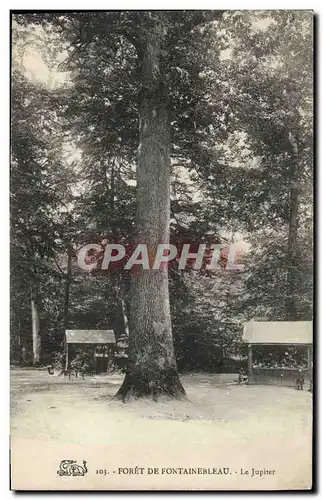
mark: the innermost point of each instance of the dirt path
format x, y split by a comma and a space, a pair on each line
255, 427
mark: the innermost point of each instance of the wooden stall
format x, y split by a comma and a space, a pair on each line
279, 333
99, 343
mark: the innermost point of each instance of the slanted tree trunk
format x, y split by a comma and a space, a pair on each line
152, 369
35, 324
291, 303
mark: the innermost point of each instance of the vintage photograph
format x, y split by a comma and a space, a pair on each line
161, 250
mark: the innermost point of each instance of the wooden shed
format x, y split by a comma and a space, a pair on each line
278, 333
99, 343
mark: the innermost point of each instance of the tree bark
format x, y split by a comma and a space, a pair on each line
291, 303
35, 325
152, 370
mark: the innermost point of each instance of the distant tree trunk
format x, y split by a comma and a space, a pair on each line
24, 340
35, 324
125, 317
68, 279
121, 327
67, 287
152, 369
121, 323
23, 345
293, 264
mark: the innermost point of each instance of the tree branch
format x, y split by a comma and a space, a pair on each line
59, 268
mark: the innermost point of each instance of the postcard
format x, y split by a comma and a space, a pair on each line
161, 219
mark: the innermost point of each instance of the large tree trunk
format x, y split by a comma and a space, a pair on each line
35, 325
293, 264
152, 369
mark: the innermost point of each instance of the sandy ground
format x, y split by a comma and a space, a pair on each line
241, 428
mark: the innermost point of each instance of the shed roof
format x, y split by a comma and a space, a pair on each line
278, 332
90, 337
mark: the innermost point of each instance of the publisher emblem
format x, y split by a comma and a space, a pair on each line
72, 468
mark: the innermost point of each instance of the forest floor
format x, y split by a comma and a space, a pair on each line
221, 424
